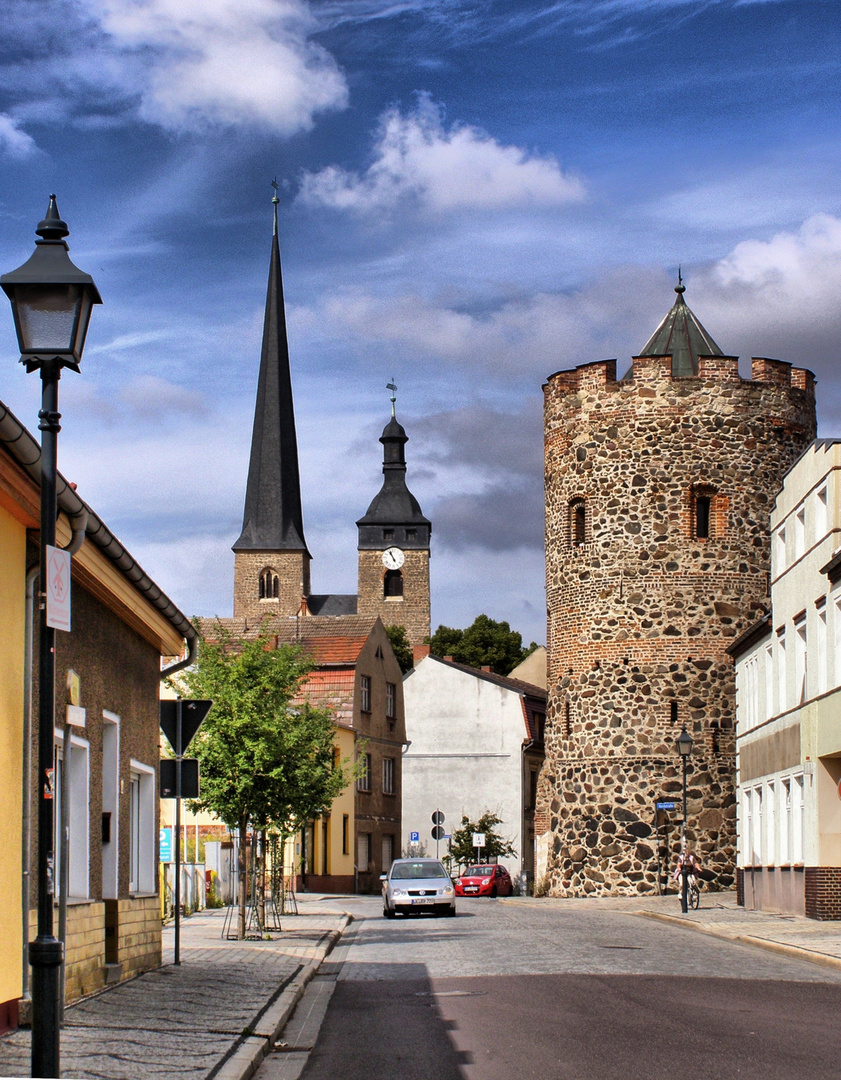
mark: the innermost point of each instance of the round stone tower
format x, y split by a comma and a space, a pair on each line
659, 488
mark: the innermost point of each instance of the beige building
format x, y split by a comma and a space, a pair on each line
788, 704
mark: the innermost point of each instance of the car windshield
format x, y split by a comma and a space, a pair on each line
479, 871
416, 870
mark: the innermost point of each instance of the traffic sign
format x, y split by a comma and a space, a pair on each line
478, 839
189, 778
58, 588
165, 844
437, 832
438, 818
414, 837
192, 714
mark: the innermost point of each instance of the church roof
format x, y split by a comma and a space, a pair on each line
681, 336
394, 504
332, 603
272, 520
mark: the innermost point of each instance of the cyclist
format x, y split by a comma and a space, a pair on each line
693, 866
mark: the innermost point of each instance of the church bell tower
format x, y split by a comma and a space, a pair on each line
394, 545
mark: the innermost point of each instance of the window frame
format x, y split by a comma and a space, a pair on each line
389, 776
363, 781
365, 693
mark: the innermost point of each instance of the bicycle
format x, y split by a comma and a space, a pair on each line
693, 895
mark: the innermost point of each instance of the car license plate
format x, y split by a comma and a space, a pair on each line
425, 900
471, 888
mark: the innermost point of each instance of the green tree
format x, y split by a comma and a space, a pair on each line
496, 846
264, 761
400, 645
485, 643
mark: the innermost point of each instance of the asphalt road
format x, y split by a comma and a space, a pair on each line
506, 992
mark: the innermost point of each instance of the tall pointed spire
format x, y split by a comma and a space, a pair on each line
681, 336
272, 520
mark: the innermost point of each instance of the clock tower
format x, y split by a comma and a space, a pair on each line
394, 546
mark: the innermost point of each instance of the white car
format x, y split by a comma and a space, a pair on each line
417, 885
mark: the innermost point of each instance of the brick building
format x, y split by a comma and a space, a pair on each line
272, 562
659, 488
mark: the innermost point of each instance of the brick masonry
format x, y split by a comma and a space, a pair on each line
823, 892
413, 610
640, 609
292, 569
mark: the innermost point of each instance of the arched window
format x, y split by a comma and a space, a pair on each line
393, 583
578, 522
268, 585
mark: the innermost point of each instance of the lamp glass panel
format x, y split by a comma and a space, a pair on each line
83, 323
47, 316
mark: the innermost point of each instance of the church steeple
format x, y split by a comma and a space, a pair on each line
272, 520
272, 564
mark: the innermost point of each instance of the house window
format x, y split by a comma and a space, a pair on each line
782, 697
411, 534
364, 781
799, 532
363, 852
702, 507
578, 522
393, 583
533, 775
268, 585
820, 514
387, 853
539, 726
388, 534
71, 781
142, 836
822, 672
110, 802
769, 681
345, 834
778, 545
800, 654
388, 776
365, 693
797, 818
673, 712
390, 700
836, 634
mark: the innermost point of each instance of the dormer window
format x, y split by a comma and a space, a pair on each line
268, 585
411, 534
388, 534
393, 583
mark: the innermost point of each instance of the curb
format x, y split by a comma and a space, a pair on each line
248, 1057
795, 952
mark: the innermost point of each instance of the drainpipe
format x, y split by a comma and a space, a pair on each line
78, 524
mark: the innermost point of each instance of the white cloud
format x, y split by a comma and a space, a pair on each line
196, 63
416, 157
16, 143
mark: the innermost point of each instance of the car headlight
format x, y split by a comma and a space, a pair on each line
399, 892
448, 891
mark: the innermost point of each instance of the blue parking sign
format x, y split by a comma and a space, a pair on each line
165, 845
414, 837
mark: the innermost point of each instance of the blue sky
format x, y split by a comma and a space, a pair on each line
473, 195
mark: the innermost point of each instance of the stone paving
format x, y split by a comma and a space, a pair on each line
206, 1018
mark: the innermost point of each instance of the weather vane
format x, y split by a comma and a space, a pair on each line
392, 386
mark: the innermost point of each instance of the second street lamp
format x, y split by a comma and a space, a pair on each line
51, 302
684, 748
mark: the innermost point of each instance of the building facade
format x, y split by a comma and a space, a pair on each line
788, 704
659, 487
105, 779
475, 744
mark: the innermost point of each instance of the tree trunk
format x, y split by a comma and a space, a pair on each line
242, 880
261, 878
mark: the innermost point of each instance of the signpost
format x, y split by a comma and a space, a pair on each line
478, 843
180, 721
437, 831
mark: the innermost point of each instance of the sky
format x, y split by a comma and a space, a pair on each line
474, 195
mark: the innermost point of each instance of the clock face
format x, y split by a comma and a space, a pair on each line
393, 558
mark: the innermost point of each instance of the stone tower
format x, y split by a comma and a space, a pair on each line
394, 546
272, 563
659, 488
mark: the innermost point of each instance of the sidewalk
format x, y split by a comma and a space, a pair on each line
720, 916
211, 1018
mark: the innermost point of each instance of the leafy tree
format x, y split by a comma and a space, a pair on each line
264, 761
400, 645
496, 846
485, 642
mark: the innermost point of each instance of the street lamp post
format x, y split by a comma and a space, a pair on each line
684, 748
51, 303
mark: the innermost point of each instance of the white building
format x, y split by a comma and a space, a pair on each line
788, 704
475, 744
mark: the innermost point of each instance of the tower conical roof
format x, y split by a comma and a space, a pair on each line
394, 504
272, 520
681, 336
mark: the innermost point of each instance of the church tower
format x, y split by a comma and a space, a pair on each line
394, 546
272, 563
659, 488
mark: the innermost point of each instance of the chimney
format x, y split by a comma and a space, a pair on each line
304, 608
419, 652
487, 668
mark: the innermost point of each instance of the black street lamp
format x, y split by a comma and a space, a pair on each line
51, 302
684, 748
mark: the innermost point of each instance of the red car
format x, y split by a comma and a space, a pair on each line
484, 881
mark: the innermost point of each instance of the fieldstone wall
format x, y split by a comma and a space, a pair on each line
293, 573
641, 608
412, 610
